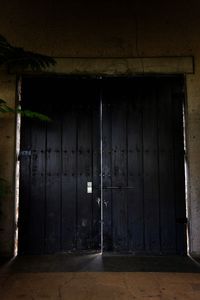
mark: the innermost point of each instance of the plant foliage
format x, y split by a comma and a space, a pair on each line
14, 57
4, 108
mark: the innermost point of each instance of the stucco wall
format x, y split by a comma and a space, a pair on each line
7, 165
105, 29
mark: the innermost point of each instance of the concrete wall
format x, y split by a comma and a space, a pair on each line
105, 29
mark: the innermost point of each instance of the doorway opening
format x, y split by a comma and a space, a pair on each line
107, 173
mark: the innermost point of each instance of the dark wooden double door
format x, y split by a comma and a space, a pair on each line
123, 136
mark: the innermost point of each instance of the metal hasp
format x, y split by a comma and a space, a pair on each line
89, 187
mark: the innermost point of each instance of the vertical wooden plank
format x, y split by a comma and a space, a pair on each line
81, 162
24, 188
119, 170
34, 209
78, 163
96, 160
150, 160
53, 188
135, 168
24, 184
69, 193
178, 99
37, 189
84, 171
107, 169
166, 168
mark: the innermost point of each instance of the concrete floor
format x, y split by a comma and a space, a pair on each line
19, 280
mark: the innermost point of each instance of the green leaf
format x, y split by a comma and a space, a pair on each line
15, 57
4, 108
34, 115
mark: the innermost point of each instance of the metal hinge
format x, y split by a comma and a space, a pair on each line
24, 153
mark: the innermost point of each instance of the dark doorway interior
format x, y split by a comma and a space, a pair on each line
121, 137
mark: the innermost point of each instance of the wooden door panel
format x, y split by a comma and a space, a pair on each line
166, 168
150, 170
25, 184
53, 190
177, 98
84, 175
143, 132
56, 212
135, 171
107, 178
69, 137
37, 193
142, 166
119, 175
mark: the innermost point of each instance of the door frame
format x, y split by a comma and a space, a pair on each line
100, 77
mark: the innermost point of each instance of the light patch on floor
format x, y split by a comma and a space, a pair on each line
100, 286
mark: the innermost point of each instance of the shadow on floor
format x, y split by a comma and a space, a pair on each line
100, 263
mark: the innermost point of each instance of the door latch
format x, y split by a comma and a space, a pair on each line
99, 201
89, 187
